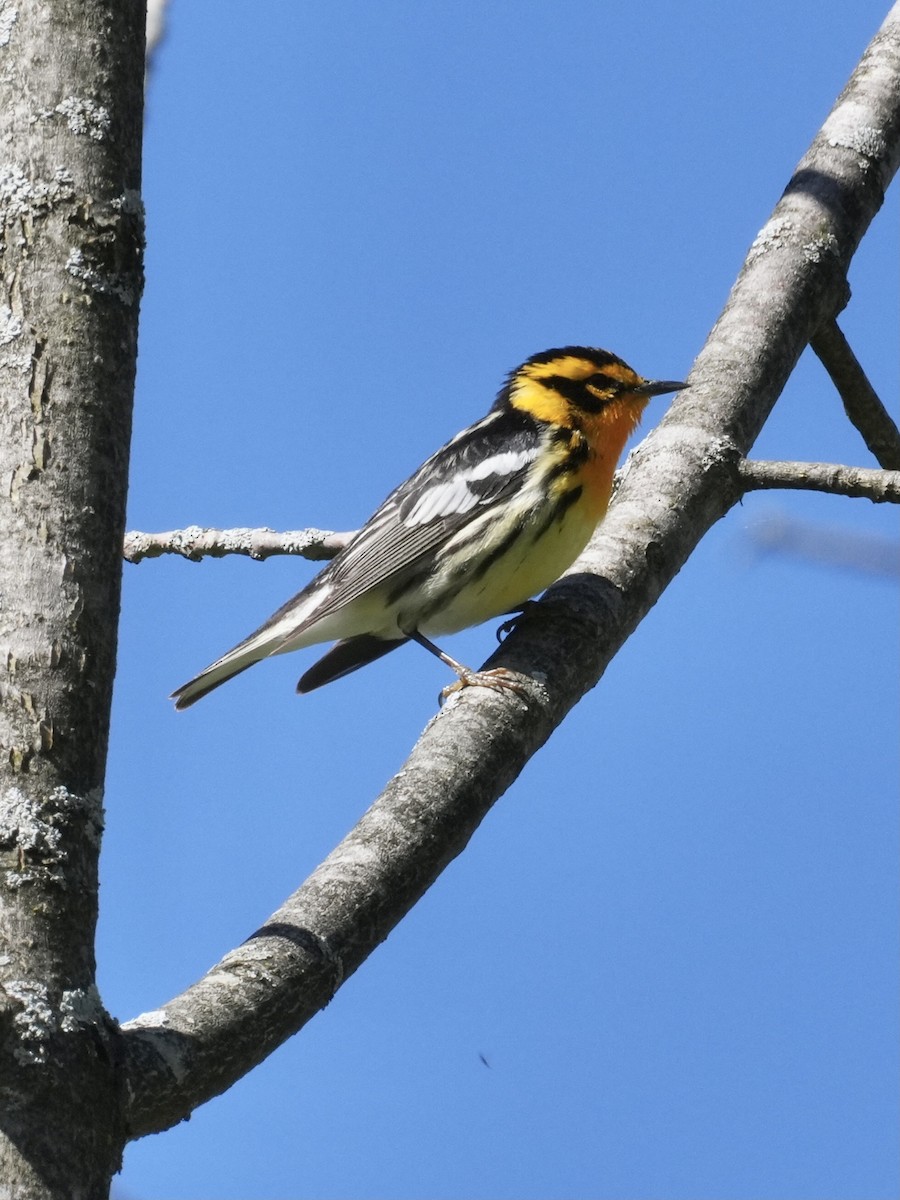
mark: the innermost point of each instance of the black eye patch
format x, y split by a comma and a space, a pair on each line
605, 383
576, 390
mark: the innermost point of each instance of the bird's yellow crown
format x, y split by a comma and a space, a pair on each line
578, 387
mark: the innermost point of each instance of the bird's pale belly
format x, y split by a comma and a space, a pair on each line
518, 575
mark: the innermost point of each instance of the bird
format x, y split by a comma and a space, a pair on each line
489, 521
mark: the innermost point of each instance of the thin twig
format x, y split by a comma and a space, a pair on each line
196, 543
868, 482
861, 401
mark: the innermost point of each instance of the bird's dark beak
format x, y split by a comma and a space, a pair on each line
658, 387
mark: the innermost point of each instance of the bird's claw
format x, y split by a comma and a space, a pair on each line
515, 617
499, 679
507, 627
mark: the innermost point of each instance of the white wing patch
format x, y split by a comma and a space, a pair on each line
454, 496
506, 463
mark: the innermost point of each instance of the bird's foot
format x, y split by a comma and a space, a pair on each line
499, 679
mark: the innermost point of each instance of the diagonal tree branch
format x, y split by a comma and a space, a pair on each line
861, 401
681, 480
868, 483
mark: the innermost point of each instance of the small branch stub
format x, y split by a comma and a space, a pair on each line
861, 402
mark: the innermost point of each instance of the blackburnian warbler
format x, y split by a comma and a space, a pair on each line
490, 520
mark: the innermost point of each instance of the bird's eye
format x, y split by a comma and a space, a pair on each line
603, 383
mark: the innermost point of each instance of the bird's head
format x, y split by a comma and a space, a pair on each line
579, 385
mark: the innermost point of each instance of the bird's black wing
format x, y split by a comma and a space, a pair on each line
482, 466
345, 656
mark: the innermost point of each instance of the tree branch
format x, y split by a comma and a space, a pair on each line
869, 483
680, 481
861, 402
195, 543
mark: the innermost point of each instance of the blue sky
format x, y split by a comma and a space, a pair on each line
675, 939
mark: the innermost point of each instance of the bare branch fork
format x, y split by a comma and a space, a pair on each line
682, 479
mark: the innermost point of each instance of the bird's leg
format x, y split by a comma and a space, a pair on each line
499, 678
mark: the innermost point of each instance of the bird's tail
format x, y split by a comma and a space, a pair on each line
224, 668
283, 631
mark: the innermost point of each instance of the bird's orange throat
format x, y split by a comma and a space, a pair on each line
607, 431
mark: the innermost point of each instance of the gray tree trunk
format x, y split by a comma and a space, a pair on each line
71, 78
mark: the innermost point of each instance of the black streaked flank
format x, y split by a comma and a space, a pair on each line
558, 511
497, 552
576, 456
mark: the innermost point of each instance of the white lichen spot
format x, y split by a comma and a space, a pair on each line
158, 1018
34, 1019
870, 141
103, 285
772, 233
130, 203
848, 130
11, 327
8, 17
85, 117
24, 824
79, 1007
815, 252
39, 876
21, 196
34, 824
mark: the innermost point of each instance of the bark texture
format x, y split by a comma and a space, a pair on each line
71, 79
683, 478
